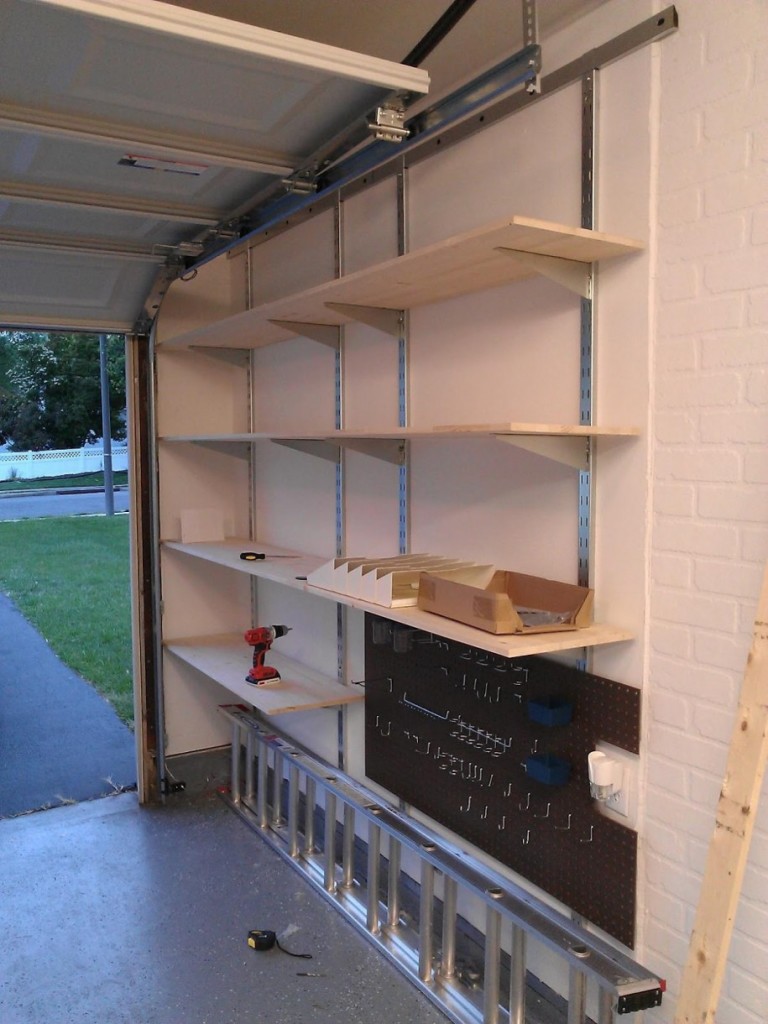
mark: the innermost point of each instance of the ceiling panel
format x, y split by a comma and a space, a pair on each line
41, 160
96, 68
70, 290
76, 222
134, 123
131, 124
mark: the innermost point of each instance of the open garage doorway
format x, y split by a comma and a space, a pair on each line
66, 681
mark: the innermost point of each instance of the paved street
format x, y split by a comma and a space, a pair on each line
38, 506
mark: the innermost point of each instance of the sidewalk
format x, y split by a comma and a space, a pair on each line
59, 740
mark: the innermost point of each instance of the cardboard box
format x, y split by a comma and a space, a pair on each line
510, 602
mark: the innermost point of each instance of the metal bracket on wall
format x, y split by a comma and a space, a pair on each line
386, 449
570, 451
390, 321
233, 356
574, 275
311, 446
326, 334
235, 449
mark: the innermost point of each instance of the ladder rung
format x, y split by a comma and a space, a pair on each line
585, 954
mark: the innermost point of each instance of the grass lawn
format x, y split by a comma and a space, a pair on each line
79, 480
70, 578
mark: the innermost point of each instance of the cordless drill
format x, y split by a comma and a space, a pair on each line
261, 639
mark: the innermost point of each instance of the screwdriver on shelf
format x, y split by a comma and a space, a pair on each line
259, 556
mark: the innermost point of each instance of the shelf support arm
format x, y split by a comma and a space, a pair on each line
318, 448
570, 451
571, 274
390, 321
386, 449
325, 334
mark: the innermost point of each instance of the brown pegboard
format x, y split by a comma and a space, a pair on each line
448, 730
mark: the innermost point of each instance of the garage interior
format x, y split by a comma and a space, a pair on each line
419, 300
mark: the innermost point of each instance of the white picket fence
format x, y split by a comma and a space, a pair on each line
66, 462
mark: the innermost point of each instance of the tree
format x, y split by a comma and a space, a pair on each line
51, 394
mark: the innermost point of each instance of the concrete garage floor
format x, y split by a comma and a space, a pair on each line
117, 914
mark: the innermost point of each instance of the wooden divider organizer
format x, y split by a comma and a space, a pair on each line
394, 582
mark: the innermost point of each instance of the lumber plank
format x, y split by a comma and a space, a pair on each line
729, 847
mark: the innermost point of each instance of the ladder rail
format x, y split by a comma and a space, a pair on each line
426, 954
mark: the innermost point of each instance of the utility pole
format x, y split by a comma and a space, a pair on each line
106, 428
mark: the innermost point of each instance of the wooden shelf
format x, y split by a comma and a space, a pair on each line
288, 571
502, 252
446, 433
563, 443
226, 660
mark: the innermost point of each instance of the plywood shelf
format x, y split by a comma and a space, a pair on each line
441, 433
560, 442
289, 572
226, 659
484, 258
289, 568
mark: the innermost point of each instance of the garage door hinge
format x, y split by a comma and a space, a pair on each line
388, 123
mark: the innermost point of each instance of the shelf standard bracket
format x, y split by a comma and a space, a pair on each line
571, 274
235, 449
234, 356
317, 447
386, 449
569, 450
326, 334
531, 38
390, 321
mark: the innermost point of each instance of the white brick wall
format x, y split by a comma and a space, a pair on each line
710, 474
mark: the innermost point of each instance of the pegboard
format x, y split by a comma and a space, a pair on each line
448, 729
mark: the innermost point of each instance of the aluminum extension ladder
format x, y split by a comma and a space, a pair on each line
282, 792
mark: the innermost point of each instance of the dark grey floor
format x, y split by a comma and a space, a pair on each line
59, 740
120, 915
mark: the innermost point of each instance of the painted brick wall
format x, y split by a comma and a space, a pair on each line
710, 473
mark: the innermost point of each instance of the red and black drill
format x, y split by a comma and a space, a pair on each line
261, 639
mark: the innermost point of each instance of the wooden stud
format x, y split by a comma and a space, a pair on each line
729, 847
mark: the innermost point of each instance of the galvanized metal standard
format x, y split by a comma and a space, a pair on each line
403, 374
339, 420
530, 41
587, 327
